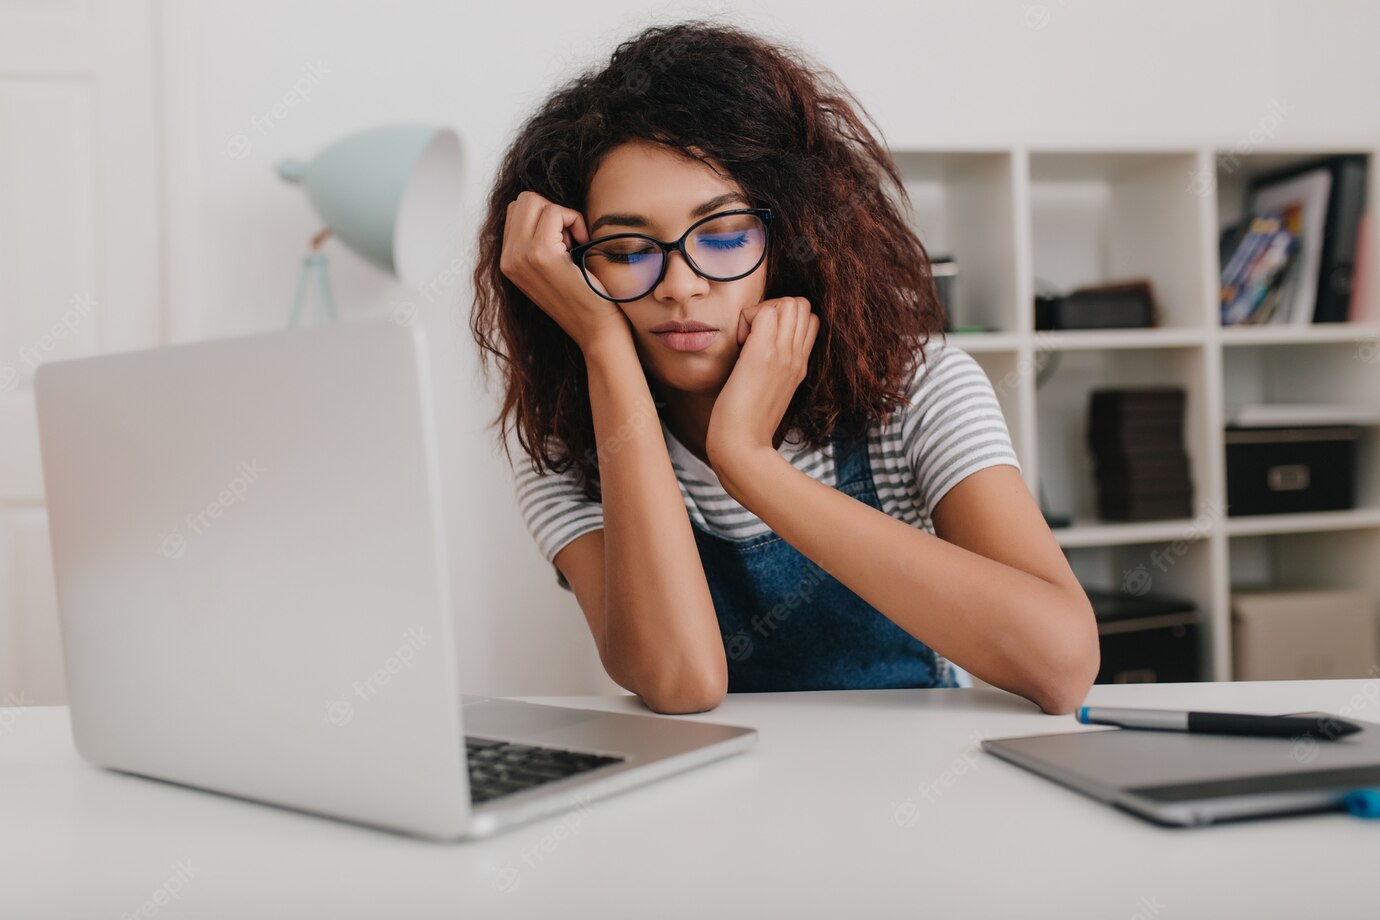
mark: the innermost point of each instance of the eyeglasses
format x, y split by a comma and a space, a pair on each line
721, 247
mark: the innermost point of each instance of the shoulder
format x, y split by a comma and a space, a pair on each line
553, 504
953, 424
941, 364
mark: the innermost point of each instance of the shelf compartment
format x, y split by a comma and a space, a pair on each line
1317, 560
1066, 466
1322, 559
1323, 372
1104, 217
1172, 567
964, 207
1234, 174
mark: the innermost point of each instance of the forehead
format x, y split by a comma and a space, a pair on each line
653, 181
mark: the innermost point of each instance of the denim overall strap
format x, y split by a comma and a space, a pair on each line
789, 625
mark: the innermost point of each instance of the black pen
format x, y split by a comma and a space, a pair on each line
1218, 723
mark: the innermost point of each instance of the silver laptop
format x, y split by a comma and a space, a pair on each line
254, 598
1179, 778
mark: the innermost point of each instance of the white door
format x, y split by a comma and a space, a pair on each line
79, 263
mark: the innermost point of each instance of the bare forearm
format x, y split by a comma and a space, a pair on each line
660, 636
1002, 624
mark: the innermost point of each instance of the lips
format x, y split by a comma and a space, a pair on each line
693, 341
681, 326
685, 336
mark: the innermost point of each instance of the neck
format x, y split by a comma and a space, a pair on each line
687, 415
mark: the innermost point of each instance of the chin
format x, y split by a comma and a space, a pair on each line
693, 373
689, 372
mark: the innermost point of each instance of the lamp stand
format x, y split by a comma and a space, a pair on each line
314, 267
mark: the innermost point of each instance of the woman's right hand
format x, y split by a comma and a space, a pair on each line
537, 238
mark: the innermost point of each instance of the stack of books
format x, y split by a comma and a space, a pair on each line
1258, 278
1136, 438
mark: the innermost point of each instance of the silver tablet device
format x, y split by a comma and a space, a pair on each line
1184, 779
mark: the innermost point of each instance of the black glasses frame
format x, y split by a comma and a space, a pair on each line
667, 247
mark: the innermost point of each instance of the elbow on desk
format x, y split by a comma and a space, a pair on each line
687, 695
680, 706
1063, 682
676, 687
1064, 698
672, 688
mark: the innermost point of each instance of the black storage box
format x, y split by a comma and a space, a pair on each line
1103, 306
1285, 470
1153, 650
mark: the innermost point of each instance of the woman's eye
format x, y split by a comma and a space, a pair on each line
627, 258
630, 254
733, 242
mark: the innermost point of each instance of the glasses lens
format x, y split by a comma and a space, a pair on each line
728, 246
627, 268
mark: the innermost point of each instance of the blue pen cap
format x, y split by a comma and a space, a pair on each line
1363, 803
1082, 714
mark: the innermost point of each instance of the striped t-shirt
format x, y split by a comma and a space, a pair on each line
951, 427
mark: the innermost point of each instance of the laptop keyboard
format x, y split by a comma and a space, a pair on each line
500, 768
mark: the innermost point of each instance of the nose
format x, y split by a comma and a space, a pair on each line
680, 282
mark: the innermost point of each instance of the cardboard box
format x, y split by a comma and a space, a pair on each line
1303, 635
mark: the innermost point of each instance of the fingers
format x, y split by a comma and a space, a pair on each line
532, 218
549, 230
578, 231
805, 331
798, 333
758, 320
810, 335
746, 317
788, 322
572, 224
523, 212
749, 314
787, 319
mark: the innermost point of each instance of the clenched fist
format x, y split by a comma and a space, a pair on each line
777, 336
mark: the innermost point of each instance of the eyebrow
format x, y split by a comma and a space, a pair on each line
637, 220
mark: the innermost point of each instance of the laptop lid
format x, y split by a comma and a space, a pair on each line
250, 570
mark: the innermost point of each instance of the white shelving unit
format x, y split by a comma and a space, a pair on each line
1016, 219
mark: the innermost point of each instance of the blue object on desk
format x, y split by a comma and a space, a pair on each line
1363, 803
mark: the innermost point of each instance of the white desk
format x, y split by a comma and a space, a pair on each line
854, 805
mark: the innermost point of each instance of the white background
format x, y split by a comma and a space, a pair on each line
958, 74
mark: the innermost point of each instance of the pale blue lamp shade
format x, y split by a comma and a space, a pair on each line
392, 194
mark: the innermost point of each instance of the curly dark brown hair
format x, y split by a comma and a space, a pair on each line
793, 138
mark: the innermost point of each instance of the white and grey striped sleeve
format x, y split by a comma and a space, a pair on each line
954, 425
555, 509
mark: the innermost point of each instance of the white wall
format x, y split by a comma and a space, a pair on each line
1059, 73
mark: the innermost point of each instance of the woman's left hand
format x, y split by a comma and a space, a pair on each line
777, 337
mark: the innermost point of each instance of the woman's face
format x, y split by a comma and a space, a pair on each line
646, 188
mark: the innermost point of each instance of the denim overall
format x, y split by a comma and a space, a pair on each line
789, 625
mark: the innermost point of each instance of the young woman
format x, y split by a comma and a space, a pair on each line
752, 456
